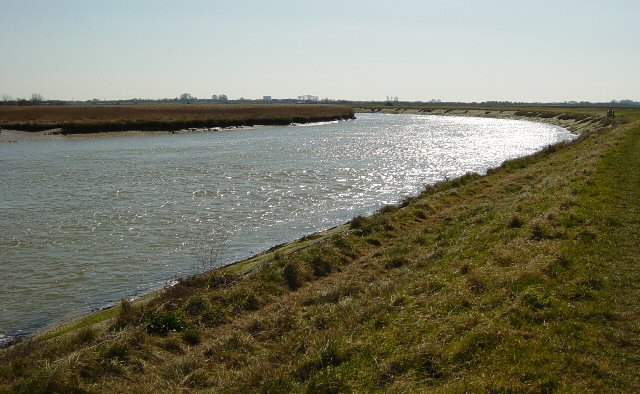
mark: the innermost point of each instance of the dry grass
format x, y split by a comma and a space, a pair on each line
521, 281
92, 118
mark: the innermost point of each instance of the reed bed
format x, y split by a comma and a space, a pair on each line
97, 118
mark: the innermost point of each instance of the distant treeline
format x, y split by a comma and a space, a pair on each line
187, 98
485, 104
136, 101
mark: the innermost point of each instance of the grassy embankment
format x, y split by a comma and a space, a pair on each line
74, 119
525, 280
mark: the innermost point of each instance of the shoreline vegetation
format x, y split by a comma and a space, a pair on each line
522, 280
86, 119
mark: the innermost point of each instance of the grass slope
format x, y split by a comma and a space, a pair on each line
525, 280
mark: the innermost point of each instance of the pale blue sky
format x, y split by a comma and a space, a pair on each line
416, 50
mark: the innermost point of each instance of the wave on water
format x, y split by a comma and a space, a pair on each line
315, 124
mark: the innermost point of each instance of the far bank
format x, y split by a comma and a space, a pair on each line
78, 119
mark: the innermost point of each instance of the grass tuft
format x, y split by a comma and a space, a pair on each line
128, 315
515, 222
192, 337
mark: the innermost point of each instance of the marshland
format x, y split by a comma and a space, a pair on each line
74, 119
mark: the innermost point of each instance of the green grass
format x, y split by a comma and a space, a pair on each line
524, 280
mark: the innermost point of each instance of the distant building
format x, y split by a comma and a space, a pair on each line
266, 98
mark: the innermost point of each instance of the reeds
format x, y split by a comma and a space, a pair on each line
166, 117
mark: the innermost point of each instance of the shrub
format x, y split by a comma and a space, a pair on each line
341, 242
358, 222
128, 315
86, 335
292, 275
196, 305
214, 316
320, 266
163, 322
250, 303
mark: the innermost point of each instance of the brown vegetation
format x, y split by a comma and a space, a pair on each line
98, 118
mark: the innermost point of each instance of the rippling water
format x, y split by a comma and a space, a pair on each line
86, 222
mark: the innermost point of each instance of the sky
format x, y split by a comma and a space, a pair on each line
535, 51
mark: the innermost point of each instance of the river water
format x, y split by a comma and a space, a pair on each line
85, 222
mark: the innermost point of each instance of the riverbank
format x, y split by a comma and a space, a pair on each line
84, 119
522, 280
577, 122
14, 136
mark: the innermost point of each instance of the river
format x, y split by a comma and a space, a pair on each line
85, 222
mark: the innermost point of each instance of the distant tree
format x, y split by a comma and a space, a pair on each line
223, 97
36, 98
6, 97
186, 97
214, 97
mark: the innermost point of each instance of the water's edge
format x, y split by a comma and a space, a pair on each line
242, 266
